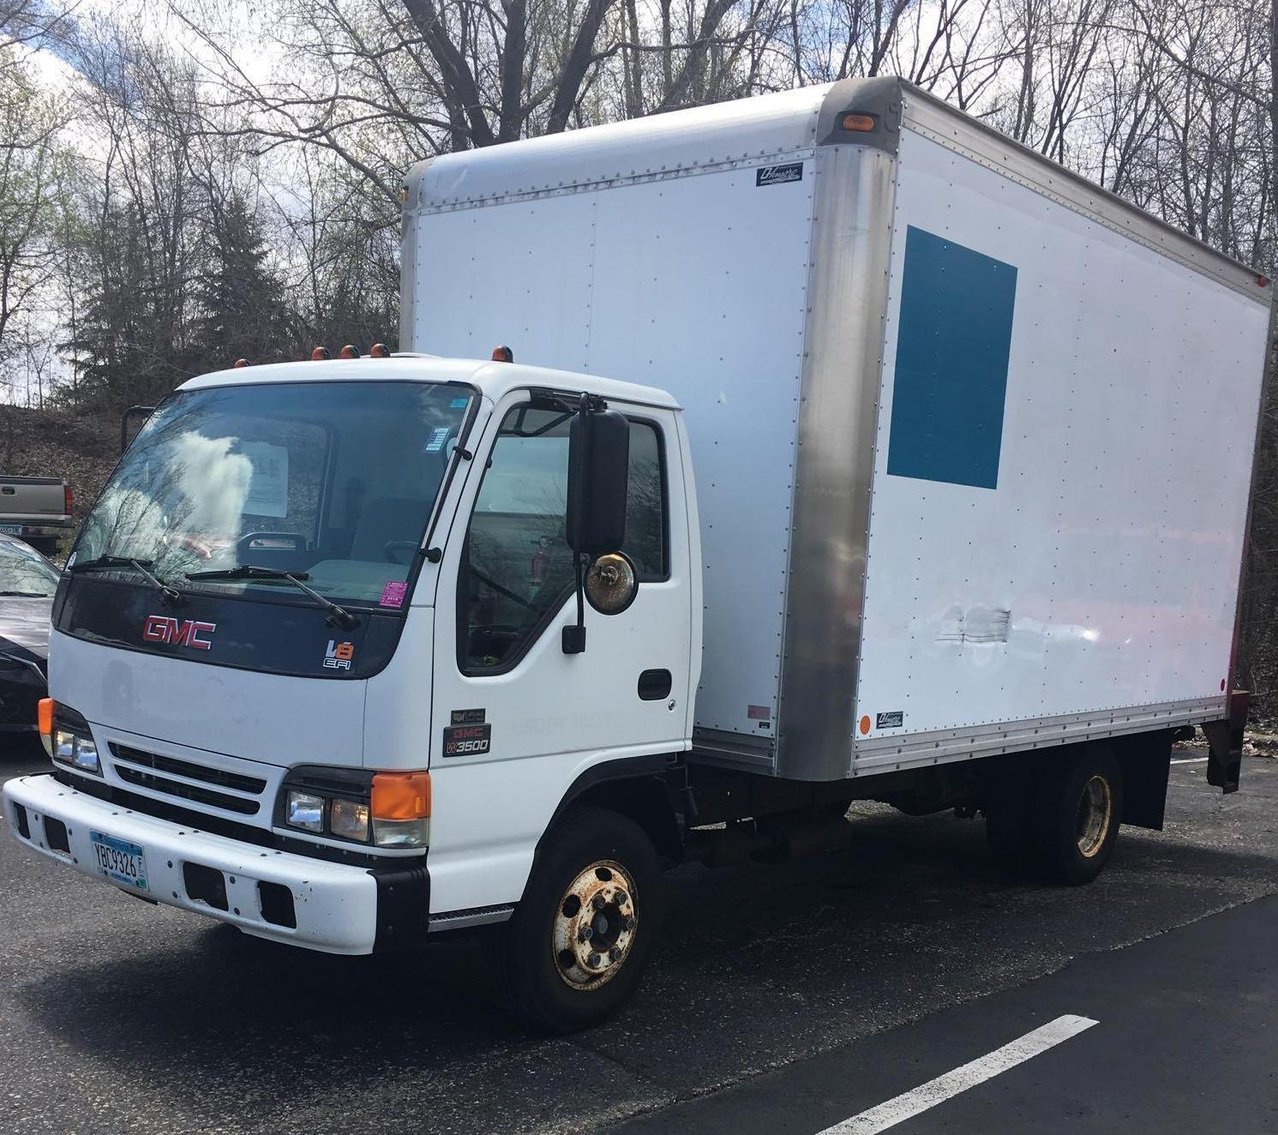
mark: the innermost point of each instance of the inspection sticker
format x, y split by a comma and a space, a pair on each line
393, 594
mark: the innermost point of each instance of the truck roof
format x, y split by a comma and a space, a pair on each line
494, 380
780, 127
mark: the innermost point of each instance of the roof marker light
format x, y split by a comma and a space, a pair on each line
860, 123
349, 352
503, 355
379, 351
240, 363
319, 354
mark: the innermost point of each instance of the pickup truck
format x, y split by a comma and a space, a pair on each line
37, 510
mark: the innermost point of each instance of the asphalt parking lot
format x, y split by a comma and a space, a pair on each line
785, 999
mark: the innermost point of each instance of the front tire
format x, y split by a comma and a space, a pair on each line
574, 950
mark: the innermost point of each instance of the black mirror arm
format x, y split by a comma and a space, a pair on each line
574, 637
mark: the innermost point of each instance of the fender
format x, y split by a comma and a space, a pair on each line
650, 806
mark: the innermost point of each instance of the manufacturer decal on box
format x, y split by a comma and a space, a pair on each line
778, 175
893, 720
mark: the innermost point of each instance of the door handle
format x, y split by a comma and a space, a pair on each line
655, 685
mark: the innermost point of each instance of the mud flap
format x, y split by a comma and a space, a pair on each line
1225, 738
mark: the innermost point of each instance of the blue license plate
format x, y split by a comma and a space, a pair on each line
119, 860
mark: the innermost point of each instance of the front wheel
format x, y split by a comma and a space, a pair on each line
574, 950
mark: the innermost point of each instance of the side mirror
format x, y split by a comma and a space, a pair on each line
126, 418
598, 476
598, 481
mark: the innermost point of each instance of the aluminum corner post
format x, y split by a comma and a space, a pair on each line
408, 255
839, 401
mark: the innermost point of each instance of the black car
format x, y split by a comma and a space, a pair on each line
27, 584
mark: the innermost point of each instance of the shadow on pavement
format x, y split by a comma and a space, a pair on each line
756, 961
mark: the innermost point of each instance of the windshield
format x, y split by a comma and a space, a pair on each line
24, 572
330, 481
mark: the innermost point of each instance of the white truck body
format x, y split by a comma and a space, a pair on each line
1049, 555
971, 443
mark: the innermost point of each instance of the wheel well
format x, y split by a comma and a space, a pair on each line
643, 799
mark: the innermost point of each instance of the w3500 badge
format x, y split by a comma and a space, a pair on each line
467, 740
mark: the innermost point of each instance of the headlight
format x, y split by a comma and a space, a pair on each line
385, 809
304, 810
349, 819
72, 742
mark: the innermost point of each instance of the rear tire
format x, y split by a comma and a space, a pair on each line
574, 950
1076, 812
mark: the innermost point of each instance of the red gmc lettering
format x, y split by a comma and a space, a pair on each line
165, 628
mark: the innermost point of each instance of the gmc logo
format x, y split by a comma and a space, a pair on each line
165, 628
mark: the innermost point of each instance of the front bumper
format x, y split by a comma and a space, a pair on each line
335, 907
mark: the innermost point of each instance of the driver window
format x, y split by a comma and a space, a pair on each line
517, 571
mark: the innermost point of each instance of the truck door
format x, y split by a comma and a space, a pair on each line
515, 719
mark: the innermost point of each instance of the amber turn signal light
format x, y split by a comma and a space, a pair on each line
401, 795
44, 720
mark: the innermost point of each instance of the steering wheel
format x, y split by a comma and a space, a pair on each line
392, 547
295, 540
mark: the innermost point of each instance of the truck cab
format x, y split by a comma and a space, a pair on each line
323, 668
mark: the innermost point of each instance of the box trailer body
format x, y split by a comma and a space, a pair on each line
972, 438
922, 477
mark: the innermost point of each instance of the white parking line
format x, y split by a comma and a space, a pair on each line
1190, 760
928, 1095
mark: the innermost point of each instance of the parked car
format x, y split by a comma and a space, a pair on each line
27, 584
37, 510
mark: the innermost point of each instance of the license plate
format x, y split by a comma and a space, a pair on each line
120, 861
11, 529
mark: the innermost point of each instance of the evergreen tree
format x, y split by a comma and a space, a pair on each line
243, 313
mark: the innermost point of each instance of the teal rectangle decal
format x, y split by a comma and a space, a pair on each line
953, 345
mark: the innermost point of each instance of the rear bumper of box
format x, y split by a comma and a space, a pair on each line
336, 908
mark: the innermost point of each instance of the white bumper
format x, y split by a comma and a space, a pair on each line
334, 904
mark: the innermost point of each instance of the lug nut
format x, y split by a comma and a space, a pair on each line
593, 961
630, 923
585, 934
621, 898
598, 902
614, 954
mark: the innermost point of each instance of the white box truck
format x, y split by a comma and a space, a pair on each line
352, 652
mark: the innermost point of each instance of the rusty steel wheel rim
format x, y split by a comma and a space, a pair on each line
1095, 814
595, 926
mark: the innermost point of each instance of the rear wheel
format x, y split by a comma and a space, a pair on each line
574, 950
1075, 816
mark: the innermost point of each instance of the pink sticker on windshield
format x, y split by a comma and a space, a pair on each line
393, 593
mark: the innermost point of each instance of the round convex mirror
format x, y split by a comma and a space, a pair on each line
611, 583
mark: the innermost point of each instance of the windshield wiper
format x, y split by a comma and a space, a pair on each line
107, 563
337, 616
